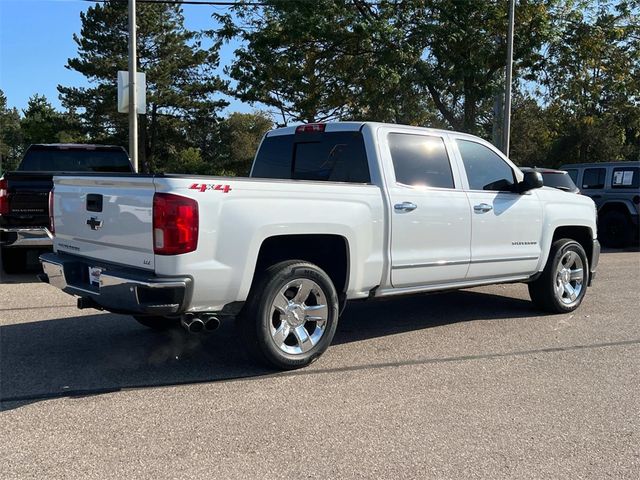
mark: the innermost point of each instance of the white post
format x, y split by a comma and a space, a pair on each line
133, 104
506, 132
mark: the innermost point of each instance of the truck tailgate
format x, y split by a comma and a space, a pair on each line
109, 219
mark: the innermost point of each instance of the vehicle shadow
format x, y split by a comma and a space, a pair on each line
94, 354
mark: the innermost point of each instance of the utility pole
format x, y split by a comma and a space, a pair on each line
133, 104
506, 129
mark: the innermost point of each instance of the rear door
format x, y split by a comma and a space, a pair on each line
506, 226
105, 218
430, 219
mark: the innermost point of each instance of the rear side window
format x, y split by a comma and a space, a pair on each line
485, 169
331, 156
420, 160
625, 177
75, 160
593, 178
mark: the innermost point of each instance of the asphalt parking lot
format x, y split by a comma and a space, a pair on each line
469, 384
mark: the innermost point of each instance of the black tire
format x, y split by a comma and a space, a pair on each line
261, 318
547, 291
14, 260
157, 323
615, 230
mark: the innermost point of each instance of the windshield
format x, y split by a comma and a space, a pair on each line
75, 160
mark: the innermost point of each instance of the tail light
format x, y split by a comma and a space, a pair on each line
311, 128
52, 225
4, 196
175, 224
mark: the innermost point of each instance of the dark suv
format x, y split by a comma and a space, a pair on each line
554, 178
615, 188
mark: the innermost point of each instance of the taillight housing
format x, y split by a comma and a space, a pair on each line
52, 225
175, 224
4, 196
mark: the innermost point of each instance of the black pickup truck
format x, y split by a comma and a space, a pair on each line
24, 193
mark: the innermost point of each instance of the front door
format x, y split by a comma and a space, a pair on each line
506, 226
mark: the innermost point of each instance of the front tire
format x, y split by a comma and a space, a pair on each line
290, 316
563, 283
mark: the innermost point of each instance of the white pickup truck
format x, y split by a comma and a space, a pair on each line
330, 213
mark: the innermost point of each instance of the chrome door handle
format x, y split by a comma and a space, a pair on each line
404, 207
482, 208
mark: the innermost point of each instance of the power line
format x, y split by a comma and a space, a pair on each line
189, 2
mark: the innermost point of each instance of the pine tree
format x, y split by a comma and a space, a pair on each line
180, 73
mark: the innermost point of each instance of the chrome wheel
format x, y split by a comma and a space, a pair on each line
299, 316
569, 279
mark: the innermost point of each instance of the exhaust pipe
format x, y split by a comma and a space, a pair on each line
211, 322
191, 323
200, 323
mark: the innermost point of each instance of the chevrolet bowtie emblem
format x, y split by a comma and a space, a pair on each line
94, 223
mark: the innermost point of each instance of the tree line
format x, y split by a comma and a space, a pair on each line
421, 62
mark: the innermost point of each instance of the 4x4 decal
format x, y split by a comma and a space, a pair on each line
203, 187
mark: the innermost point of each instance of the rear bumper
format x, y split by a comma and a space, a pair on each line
25, 237
119, 290
595, 258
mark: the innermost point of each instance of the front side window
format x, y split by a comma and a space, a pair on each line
593, 178
485, 169
420, 160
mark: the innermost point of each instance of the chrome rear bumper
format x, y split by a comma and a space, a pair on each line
119, 290
25, 237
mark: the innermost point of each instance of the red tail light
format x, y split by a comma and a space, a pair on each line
175, 224
311, 128
52, 225
4, 197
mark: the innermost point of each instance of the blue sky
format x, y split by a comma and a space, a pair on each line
36, 41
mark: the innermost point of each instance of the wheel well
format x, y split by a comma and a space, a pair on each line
613, 207
329, 252
582, 235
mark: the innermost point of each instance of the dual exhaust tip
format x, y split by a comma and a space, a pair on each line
204, 322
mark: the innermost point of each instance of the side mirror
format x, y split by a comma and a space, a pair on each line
530, 181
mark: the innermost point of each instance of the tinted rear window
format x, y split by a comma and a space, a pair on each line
558, 180
333, 157
74, 160
420, 160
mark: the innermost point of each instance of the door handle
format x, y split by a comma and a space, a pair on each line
404, 207
482, 208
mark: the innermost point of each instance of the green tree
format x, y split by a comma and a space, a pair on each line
411, 61
593, 81
10, 135
241, 134
181, 80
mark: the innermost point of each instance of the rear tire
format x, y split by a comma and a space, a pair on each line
563, 283
157, 323
615, 230
14, 260
290, 316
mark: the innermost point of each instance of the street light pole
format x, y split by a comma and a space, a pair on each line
133, 104
506, 130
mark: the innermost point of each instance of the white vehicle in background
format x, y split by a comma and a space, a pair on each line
330, 213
